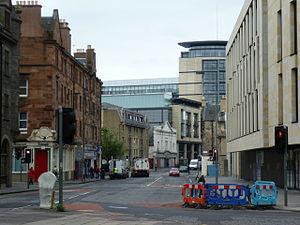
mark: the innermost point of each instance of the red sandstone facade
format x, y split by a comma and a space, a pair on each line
55, 78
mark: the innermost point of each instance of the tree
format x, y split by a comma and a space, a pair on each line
111, 146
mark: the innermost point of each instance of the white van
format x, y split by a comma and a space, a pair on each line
194, 164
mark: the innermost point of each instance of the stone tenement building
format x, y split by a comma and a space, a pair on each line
52, 77
9, 78
129, 127
262, 78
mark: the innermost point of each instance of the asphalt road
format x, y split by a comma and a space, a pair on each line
155, 198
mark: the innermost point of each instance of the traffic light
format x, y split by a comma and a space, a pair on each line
69, 126
281, 138
18, 153
215, 154
27, 158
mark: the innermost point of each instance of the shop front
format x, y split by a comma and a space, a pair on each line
44, 155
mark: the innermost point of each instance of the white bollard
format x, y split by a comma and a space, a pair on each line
46, 185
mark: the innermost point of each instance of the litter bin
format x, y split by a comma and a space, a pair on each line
46, 186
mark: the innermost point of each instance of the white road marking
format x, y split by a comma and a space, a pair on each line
76, 196
86, 210
148, 185
118, 207
21, 207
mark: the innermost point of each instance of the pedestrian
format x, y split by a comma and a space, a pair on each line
97, 172
201, 179
31, 175
91, 172
54, 171
102, 173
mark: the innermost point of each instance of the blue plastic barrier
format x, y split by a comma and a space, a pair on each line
263, 193
226, 194
212, 170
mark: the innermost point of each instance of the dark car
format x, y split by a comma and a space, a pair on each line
174, 172
183, 169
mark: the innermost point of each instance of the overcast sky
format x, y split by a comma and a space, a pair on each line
137, 39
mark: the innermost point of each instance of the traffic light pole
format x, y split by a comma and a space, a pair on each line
285, 157
60, 140
217, 167
28, 176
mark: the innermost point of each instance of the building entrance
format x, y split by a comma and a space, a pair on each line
41, 162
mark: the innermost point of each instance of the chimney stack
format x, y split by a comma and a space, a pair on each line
91, 59
31, 18
66, 36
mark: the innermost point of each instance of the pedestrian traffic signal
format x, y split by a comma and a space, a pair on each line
27, 158
18, 153
69, 126
281, 139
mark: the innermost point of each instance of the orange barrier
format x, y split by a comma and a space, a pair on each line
193, 194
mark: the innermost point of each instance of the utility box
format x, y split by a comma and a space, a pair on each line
205, 163
46, 187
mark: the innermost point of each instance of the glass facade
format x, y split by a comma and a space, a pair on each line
139, 89
150, 97
205, 51
156, 116
212, 54
213, 80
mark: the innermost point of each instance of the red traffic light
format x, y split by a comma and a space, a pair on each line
18, 153
281, 139
279, 134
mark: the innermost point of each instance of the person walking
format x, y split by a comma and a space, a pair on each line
55, 171
201, 180
31, 175
91, 172
97, 172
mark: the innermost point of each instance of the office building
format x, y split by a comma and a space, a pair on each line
202, 71
262, 80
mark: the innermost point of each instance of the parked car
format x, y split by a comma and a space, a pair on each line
183, 169
174, 172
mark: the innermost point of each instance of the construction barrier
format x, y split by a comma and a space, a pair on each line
263, 193
226, 194
193, 194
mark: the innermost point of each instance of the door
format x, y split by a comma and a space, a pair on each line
41, 162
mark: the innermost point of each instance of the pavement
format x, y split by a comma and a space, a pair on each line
100, 218
293, 195
19, 187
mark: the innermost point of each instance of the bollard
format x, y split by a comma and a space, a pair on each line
46, 185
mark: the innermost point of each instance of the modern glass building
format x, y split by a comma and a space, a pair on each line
204, 64
152, 97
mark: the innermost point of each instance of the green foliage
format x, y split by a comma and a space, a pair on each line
111, 146
60, 208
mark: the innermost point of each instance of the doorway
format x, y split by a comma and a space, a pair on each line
4, 165
41, 162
